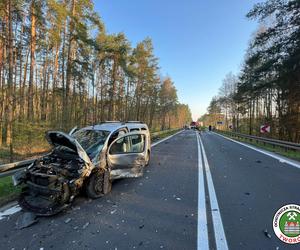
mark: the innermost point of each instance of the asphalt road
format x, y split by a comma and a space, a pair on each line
157, 211
160, 210
250, 188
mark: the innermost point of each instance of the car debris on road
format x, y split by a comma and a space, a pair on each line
25, 220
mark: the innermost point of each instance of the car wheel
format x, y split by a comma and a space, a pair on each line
98, 184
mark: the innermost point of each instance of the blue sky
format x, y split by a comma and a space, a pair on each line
197, 41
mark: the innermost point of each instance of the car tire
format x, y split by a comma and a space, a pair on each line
98, 184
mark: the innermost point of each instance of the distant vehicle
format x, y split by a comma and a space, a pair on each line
187, 127
194, 125
86, 159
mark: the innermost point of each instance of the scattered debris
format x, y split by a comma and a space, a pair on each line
85, 225
113, 211
9, 211
267, 234
25, 220
68, 220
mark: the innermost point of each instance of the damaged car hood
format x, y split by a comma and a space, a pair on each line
57, 138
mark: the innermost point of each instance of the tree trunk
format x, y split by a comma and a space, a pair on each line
54, 86
66, 110
9, 110
112, 110
30, 114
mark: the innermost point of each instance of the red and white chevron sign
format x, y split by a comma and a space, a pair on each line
265, 128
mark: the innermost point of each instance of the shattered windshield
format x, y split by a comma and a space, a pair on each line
92, 141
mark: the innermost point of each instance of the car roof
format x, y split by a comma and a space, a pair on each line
113, 126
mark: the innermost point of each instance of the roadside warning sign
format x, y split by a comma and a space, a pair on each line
265, 128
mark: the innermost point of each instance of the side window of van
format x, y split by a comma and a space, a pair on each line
116, 135
128, 144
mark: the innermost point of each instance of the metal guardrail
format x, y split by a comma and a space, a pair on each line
11, 168
274, 142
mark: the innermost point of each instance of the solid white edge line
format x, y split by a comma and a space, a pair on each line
15, 209
167, 138
219, 232
202, 233
277, 157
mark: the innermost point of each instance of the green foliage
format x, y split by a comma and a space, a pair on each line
73, 73
268, 89
8, 191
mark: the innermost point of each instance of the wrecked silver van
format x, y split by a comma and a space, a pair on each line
87, 159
